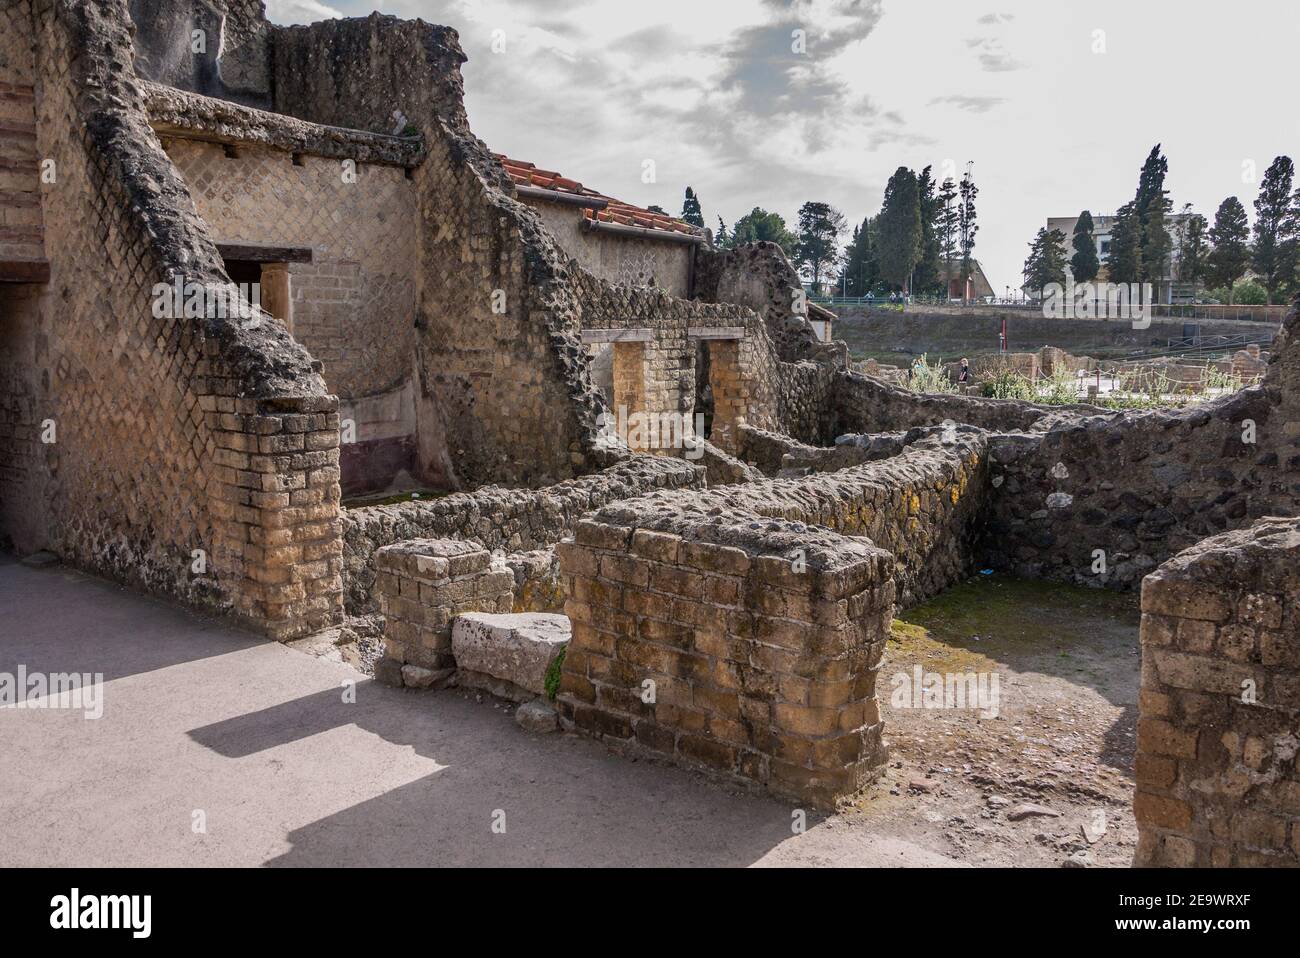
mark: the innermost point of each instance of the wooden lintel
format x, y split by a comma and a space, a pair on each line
264, 254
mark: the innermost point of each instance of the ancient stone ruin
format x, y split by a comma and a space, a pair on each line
452, 341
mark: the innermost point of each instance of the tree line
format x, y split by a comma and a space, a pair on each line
1143, 250
923, 236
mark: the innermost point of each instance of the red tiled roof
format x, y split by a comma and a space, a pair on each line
615, 211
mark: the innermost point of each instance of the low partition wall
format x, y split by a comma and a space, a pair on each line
923, 505
1102, 500
740, 629
697, 637
867, 405
515, 520
1218, 778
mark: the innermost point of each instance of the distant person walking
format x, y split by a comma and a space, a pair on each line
963, 373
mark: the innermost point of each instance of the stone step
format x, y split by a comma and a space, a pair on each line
515, 649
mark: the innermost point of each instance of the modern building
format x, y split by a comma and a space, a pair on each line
1103, 225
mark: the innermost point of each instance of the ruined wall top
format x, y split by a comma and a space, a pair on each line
356, 72
185, 114
218, 48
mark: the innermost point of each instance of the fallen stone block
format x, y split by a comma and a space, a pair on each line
515, 648
418, 677
537, 716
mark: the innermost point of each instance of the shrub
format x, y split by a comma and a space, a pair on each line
929, 379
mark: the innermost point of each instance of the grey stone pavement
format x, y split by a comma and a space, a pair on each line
201, 717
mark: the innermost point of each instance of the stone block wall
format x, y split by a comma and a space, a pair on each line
865, 405
422, 585
1218, 751
1138, 486
1101, 498
700, 641
925, 506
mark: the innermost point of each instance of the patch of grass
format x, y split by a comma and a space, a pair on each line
552, 681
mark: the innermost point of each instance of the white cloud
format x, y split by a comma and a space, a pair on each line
299, 11
712, 93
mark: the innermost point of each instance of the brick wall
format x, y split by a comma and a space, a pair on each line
172, 435
354, 304
1218, 751
924, 505
422, 585
704, 643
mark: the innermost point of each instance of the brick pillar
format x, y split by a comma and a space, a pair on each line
1218, 750
274, 495
731, 393
422, 585
731, 656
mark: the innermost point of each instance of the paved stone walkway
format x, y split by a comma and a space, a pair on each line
204, 721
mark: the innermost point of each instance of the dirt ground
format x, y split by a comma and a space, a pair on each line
1062, 740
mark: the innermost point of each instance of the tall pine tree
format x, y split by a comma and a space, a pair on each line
1123, 262
1046, 261
928, 277
817, 248
966, 228
1291, 248
947, 230
1230, 237
723, 239
1192, 249
1152, 205
1272, 258
860, 267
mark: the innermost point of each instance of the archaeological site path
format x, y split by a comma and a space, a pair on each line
202, 717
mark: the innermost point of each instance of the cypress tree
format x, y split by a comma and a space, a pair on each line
691, 212
1084, 264
898, 245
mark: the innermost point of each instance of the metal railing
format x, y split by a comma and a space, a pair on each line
1259, 314
1199, 347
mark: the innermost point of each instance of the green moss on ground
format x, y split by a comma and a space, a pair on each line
988, 618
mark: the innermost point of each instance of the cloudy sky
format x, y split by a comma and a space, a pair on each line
1056, 101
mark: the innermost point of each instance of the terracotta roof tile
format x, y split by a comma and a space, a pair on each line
616, 211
